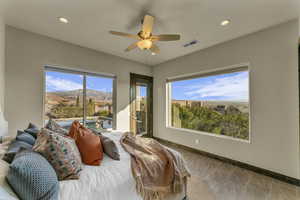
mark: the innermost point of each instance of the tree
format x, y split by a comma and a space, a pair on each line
232, 122
77, 101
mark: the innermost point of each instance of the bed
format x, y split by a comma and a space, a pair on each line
112, 180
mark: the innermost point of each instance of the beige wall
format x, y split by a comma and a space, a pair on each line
28, 53
2, 62
272, 55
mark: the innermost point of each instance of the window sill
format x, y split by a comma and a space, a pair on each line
211, 134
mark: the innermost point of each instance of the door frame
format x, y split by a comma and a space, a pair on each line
134, 78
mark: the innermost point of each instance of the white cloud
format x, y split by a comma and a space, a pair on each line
59, 84
225, 88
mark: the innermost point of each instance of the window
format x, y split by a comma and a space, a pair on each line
215, 103
72, 95
141, 108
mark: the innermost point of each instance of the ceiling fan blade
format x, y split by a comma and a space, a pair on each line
165, 37
133, 46
148, 24
154, 49
125, 34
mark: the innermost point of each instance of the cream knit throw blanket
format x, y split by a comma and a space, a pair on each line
158, 170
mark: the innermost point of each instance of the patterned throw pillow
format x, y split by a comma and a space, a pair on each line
32, 177
61, 152
53, 126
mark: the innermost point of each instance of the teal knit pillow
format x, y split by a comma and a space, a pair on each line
32, 177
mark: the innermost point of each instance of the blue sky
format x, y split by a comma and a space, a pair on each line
57, 81
143, 91
225, 87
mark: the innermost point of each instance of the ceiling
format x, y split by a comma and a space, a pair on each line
199, 20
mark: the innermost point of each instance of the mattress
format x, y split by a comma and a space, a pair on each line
112, 180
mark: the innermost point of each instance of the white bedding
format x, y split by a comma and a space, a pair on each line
112, 180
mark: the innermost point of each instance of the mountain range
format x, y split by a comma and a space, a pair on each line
71, 96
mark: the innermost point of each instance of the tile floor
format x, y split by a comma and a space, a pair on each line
215, 180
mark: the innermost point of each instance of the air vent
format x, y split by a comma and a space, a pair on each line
191, 43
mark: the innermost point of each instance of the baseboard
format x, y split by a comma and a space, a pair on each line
259, 170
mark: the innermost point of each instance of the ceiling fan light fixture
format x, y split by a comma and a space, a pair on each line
145, 39
63, 20
144, 44
225, 22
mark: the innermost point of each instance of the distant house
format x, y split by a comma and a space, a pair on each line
103, 106
188, 103
220, 108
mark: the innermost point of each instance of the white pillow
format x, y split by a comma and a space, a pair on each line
4, 195
5, 190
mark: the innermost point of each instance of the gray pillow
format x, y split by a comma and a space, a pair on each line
31, 125
32, 131
109, 146
55, 127
32, 177
25, 137
14, 148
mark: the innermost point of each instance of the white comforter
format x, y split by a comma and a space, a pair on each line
112, 180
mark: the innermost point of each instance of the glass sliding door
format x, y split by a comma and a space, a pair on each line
72, 95
99, 104
64, 97
141, 108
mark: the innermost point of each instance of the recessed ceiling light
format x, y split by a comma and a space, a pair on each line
225, 22
63, 20
153, 54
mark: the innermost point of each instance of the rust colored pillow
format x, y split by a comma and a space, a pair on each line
88, 143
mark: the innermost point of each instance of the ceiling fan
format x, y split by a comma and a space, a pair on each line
145, 38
